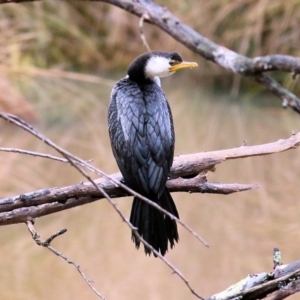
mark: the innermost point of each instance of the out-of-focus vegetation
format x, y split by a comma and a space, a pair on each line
43, 46
93, 37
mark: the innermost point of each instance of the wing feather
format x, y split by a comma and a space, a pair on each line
142, 135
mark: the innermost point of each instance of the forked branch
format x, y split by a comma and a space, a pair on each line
188, 174
37, 238
254, 68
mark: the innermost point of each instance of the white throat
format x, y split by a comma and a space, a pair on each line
157, 66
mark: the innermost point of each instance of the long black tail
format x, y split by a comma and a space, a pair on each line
154, 226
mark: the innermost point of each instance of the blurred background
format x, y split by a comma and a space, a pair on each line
59, 62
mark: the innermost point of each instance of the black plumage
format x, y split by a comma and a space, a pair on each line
142, 139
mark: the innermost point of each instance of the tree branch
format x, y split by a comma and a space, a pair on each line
288, 98
188, 174
37, 154
36, 237
56, 206
228, 59
195, 163
254, 68
282, 282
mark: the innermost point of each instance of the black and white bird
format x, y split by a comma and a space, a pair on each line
142, 139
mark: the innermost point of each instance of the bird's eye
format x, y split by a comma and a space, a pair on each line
172, 62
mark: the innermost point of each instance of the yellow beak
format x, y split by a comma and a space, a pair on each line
183, 65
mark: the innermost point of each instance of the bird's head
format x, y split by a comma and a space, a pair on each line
157, 64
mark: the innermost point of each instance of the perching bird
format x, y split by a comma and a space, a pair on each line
142, 140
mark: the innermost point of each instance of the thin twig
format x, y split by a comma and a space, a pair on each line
224, 57
72, 159
144, 16
175, 270
37, 154
46, 244
288, 98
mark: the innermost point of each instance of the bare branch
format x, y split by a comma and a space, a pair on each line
190, 164
39, 203
282, 282
288, 98
254, 68
171, 266
72, 159
143, 37
286, 290
37, 154
36, 204
186, 175
226, 58
36, 237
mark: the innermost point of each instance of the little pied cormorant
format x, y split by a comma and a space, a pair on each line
142, 140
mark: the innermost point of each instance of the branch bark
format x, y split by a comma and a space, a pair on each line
254, 68
188, 174
282, 282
